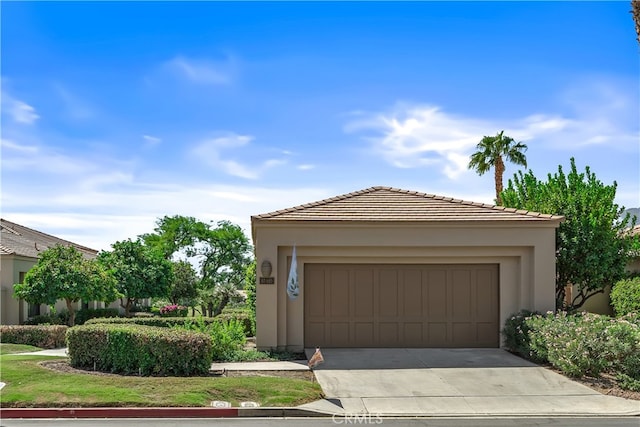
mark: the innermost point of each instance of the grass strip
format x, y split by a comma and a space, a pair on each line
32, 385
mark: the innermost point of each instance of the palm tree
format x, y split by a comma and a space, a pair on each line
491, 152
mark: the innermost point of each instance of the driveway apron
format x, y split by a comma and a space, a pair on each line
453, 382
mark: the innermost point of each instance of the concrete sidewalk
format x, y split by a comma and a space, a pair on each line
453, 382
52, 352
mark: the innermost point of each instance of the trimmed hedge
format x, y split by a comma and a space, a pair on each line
136, 349
625, 296
86, 314
43, 336
162, 322
62, 318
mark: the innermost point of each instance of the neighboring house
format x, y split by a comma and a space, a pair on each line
385, 267
19, 250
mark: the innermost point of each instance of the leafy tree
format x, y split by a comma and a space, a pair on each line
141, 272
63, 273
250, 286
184, 286
592, 247
222, 254
174, 233
492, 152
635, 11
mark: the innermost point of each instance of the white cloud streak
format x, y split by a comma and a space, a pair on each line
19, 111
427, 136
204, 72
210, 152
151, 140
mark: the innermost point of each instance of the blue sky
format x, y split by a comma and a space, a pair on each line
115, 114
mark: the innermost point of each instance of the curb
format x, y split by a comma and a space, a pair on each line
34, 413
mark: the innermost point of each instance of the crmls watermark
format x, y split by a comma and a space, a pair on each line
357, 419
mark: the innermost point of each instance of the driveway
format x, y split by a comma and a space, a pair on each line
453, 382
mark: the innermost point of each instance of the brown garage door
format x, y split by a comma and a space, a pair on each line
373, 305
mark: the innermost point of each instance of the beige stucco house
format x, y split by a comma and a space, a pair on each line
19, 249
385, 267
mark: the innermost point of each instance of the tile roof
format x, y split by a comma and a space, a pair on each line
20, 240
393, 204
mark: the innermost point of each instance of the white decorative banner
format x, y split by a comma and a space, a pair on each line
292, 284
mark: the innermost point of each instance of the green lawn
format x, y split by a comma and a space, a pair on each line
31, 385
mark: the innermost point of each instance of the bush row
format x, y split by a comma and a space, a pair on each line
82, 316
43, 336
242, 316
162, 322
579, 344
137, 349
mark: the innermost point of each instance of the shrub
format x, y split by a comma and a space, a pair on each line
45, 319
174, 310
43, 336
575, 344
228, 337
241, 315
91, 313
163, 322
516, 334
625, 296
136, 349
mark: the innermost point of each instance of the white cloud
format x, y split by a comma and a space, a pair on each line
19, 111
305, 167
151, 140
202, 71
98, 217
426, 136
423, 136
7, 144
210, 152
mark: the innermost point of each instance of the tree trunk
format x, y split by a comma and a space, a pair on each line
127, 306
499, 171
223, 303
72, 312
210, 309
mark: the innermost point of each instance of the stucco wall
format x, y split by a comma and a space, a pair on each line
10, 268
525, 254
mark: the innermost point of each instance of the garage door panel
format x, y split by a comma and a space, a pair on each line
363, 294
369, 305
437, 335
339, 294
487, 335
315, 303
340, 334
413, 293
388, 334
388, 291
364, 336
462, 332
413, 334
437, 295
316, 333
